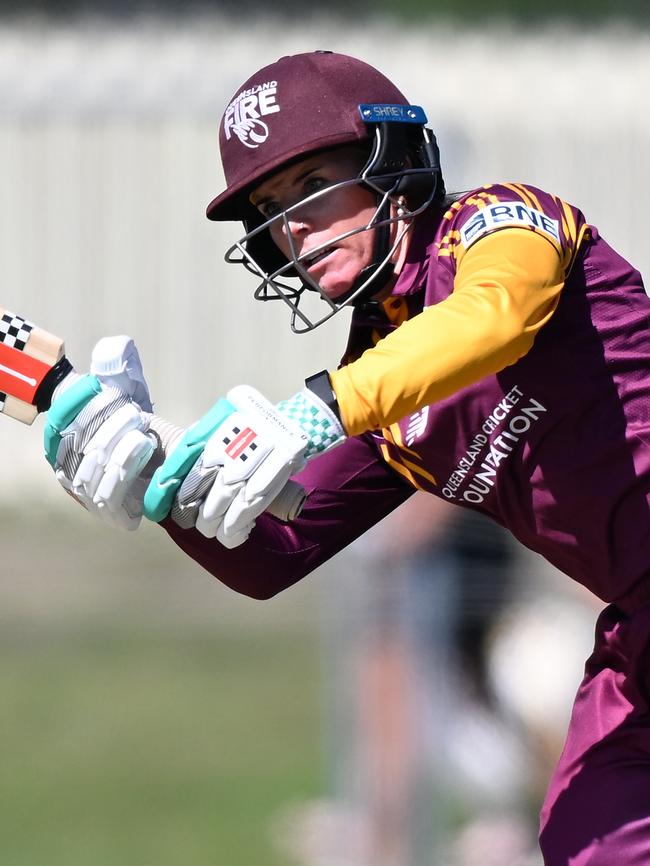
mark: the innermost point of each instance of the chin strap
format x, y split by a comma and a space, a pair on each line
382, 269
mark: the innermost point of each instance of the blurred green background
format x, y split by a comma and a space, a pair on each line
583, 12
148, 716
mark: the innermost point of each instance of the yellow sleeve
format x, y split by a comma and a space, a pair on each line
506, 288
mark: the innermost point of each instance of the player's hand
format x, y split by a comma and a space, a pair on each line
96, 437
228, 468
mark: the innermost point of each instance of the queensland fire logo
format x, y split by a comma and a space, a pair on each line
243, 116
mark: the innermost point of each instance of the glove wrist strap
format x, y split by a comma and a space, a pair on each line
321, 385
316, 420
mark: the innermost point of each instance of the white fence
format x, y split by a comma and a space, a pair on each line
108, 156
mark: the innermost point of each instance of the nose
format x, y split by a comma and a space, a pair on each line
290, 231
294, 231
296, 226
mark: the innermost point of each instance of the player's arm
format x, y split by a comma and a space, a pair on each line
349, 489
506, 288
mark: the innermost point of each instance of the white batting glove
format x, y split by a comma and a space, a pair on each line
233, 463
258, 451
96, 436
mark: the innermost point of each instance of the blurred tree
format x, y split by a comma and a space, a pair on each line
584, 12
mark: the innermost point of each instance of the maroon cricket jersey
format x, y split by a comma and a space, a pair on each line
554, 447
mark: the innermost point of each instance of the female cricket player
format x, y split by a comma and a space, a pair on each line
499, 357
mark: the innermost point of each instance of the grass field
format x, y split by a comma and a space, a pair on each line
148, 715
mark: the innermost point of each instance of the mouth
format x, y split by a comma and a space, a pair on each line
312, 259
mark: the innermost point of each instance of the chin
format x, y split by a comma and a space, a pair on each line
338, 292
337, 287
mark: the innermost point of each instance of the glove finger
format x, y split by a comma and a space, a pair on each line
136, 490
208, 528
64, 410
271, 475
88, 476
168, 478
117, 359
219, 499
192, 492
93, 428
126, 461
131, 452
95, 475
234, 540
128, 417
68, 459
118, 520
185, 515
63, 480
198, 482
130, 522
216, 504
244, 511
214, 529
95, 414
129, 516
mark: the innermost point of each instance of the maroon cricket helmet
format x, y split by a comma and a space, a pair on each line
296, 106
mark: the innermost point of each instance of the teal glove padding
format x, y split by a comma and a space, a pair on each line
64, 410
168, 478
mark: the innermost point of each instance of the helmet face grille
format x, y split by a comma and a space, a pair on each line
288, 279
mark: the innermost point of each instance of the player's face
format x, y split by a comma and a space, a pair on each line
323, 219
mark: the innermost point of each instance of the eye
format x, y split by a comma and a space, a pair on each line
269, 209
313, 183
